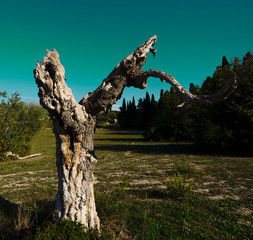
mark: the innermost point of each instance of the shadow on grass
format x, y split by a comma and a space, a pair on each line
126, 132
20, 222
148, 193
120, 139
138, 145
130, 137
7, 219
7, 207
149, 148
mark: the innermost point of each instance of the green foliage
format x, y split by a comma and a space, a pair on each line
165, 124
185, 219
178, 186
228, 126
225, 126
18, 123
69, 230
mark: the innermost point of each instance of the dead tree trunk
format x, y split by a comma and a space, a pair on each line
74, 130
74, 124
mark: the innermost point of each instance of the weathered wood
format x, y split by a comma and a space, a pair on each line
123, 75
74, 130
74, 123
8, 154
218, 96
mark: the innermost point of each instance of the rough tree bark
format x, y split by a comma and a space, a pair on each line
74, 123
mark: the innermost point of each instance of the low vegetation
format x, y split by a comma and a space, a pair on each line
134, 200
69, 230
178, 185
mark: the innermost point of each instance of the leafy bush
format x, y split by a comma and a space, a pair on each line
178, 186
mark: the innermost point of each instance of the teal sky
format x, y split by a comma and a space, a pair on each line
93, 36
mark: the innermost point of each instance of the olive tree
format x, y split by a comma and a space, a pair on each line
74, 123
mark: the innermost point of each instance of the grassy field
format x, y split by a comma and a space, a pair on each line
131, 196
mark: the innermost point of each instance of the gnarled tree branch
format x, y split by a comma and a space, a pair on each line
129, 73
122, 76
218, 96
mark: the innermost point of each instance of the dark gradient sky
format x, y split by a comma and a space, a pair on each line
93, 36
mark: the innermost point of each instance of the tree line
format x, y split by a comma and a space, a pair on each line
18, 123
225, 126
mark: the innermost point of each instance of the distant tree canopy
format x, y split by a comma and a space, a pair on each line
137, 117
109, 117
18, 123
225, 125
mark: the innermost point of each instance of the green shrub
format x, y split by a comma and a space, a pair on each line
178, 186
